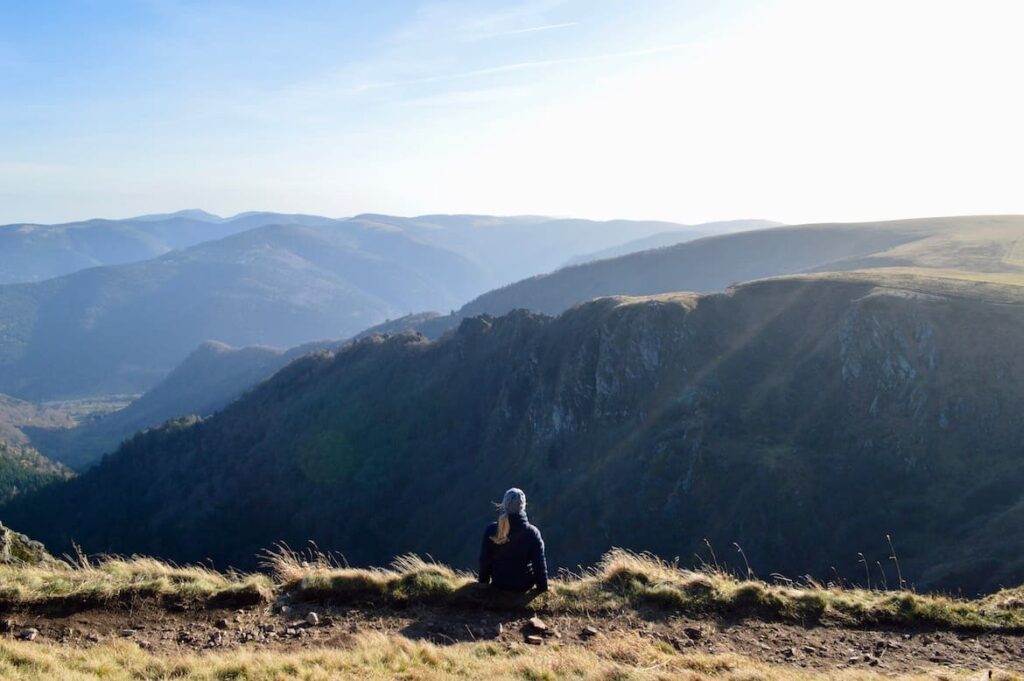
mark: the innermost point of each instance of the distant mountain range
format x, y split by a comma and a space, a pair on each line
30, 252
804, 418
986, 244
269, 279
970, 243
664, 239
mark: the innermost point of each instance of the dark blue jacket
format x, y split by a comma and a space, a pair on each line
519, 563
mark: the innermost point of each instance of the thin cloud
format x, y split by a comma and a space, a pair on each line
532, 29
525, 66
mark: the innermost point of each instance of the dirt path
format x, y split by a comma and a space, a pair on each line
818, 647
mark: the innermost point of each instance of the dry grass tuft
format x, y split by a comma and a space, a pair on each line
110, 579
378, 656
623, 579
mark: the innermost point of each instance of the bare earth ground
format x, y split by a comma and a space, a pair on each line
820, 647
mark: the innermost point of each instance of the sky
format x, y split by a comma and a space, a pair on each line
683, 110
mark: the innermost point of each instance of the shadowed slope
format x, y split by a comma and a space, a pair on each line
804, 419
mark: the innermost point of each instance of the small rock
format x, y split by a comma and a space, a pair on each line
790, 652
267, 628
694, 633
588, 632
537, 624
28, 634
92, 637
285, 610
534, 640
127, 633
222, 624
312, 619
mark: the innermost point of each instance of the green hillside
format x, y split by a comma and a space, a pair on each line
24, 470
802, 418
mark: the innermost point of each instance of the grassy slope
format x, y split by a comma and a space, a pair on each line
369, 656
115, 580
622, 580
987, 244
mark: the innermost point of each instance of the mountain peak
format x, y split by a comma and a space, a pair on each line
189, 213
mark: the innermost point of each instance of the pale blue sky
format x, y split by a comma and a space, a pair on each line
796, 110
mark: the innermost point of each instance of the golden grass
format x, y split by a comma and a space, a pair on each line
111, 579
379, 656
623, 579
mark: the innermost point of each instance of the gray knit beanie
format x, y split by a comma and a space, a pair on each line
514, 502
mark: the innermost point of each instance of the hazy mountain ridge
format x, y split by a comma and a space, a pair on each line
803, 418
511, 248
972, 243
988, 241
671, 238
31, 252
121, 329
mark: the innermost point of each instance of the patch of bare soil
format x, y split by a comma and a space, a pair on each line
303, 626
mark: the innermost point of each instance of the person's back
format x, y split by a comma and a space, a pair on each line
512, 553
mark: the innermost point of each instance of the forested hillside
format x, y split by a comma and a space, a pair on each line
23, 470
802, 418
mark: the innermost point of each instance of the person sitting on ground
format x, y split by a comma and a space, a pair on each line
512, 555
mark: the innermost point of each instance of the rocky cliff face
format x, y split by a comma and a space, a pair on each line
17, 549
803, 419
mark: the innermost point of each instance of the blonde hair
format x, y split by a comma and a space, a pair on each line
514, 501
